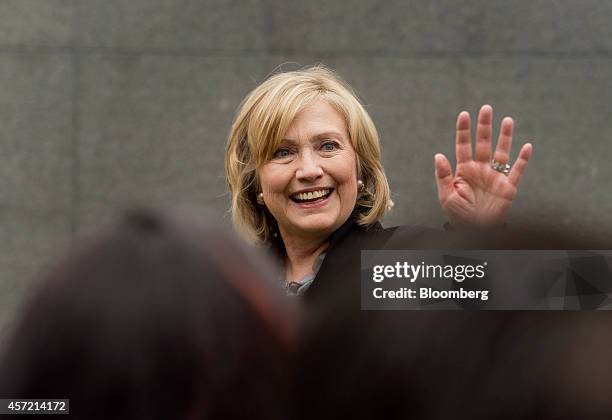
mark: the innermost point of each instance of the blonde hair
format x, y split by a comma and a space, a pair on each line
263, 118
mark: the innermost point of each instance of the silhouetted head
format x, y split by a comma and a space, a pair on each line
156, 319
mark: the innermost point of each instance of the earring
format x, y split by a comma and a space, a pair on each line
360, 185
260, 199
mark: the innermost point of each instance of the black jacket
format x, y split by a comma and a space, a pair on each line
341, 268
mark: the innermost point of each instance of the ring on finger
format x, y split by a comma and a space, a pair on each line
504, 168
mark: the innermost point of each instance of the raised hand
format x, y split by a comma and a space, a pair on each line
477, 194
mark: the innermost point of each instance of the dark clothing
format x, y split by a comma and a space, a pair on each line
342, 264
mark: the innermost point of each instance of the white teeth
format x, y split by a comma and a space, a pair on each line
311, 195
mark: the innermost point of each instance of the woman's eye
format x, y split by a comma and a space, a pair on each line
329, 146
282, 153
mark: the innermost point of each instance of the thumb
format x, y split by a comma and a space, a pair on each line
444, 177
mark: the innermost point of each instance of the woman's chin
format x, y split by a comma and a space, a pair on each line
317, 224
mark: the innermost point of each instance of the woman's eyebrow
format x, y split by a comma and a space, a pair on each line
326, 134
316, 137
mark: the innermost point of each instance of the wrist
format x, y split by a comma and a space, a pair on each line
464, 227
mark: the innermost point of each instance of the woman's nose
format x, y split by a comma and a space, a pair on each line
309, 168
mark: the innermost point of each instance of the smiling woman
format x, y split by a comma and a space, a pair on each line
310, 184
303, 165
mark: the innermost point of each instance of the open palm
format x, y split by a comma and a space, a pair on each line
477, 194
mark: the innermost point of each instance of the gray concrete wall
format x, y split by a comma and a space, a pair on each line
108, 103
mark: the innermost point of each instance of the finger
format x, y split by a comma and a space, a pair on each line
483, 134
444, 176
504, 142
521, 164
463, 142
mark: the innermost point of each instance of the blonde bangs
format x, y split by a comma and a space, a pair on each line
272, 116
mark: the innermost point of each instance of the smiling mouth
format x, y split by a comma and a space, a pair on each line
311, 196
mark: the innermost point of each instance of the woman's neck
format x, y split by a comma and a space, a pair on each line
301, 256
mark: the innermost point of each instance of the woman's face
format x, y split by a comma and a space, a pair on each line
310, 184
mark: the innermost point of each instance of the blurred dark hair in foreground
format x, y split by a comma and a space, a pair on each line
160, 319
155, 320
455, 364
